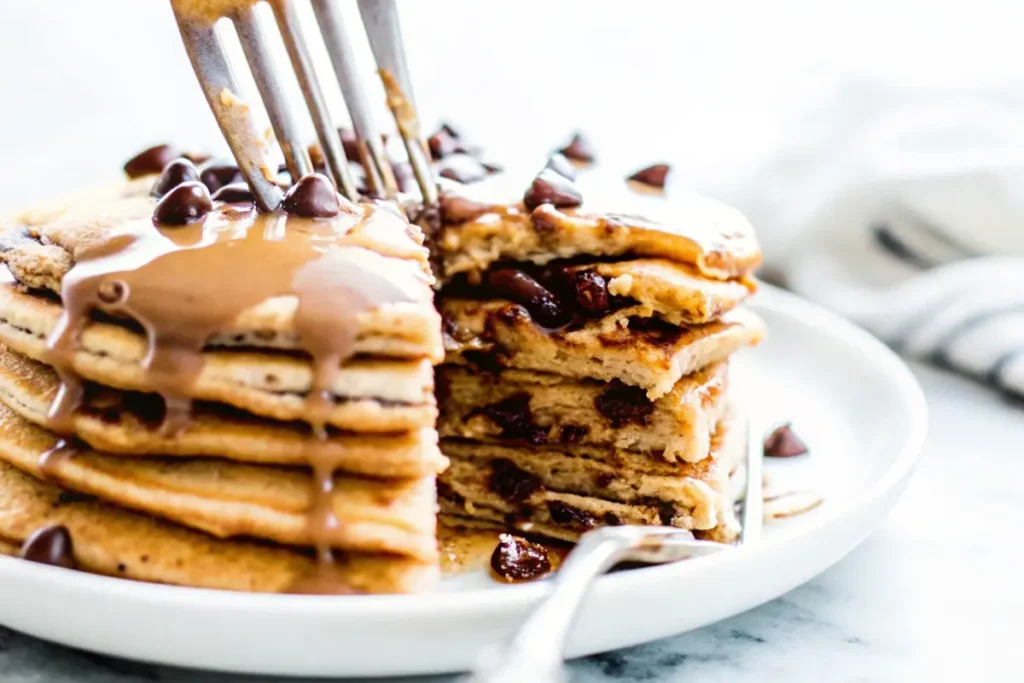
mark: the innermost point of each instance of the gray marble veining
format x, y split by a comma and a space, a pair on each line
933, 595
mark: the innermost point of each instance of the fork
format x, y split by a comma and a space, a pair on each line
196, 21
535, 652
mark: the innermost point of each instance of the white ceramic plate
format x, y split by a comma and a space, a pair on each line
851, 399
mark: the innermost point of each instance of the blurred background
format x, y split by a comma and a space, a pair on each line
773, 106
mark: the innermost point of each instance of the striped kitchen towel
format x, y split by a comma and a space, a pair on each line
933, 264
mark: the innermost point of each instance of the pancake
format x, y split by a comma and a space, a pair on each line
647, 353
563, 495
494, 225
116, 542
368, 394
129, 423
229, 499
543, 408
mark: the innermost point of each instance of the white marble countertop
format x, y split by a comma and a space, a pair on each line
931, 596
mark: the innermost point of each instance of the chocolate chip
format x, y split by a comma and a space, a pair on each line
488, 361
783, 443
186, 203
515, 419
175, 173
217, 175
312, 197
551, 188
349, 143
578, 149
591, 290
50, 545
611, 519
456, 209
666, 512
523, 289
623, 404
573, 434
571, 516
151, 161
442, 143
511, 483
235, 193
560, 165
516, 559
604, 479
462, 168
654, 175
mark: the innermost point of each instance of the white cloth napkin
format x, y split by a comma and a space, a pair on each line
907, 216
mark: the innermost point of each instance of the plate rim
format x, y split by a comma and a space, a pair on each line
453, 604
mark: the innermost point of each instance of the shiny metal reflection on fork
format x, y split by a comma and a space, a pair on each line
197, 24
535, 652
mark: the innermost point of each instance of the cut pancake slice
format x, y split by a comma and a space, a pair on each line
495, 226
674, 292
646, 352
369, 395
542, 408
117, 542
563, 494
228, 499
129, 423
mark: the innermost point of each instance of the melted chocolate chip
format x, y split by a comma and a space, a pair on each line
515, 419
654, 175
560, 165
623, 404
488, 361
551, 188
216, 176
783, 443
186, 203
591, 290
235, 193
462, 168
604, 479
573, 434
516, 559
571, 516
456, 209
511, 483
523, 289
578, 149
152, 160
611, 519
175, 173
666, 512
50, 545
312, 197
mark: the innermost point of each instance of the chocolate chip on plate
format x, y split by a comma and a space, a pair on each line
175, 173
551, 188
234, 193
579, 149
783, 443
186, 203
560, 165
50, 545
151, 160
312, 197
457, 209
217, 175
522, 288
516, 559
654, 175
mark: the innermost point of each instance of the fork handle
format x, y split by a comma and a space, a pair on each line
535, 652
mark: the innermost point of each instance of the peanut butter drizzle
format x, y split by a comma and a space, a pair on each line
184, 284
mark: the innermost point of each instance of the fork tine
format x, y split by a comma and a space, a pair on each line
380, 18
254, 45
326, 133
753, 497
371, 145
233, 116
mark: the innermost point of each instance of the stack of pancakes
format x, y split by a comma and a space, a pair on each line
183, 421
586, 380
